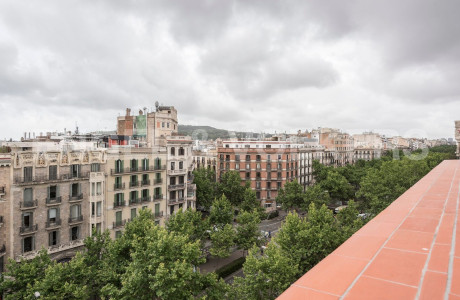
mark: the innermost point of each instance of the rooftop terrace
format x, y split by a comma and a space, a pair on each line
411, 250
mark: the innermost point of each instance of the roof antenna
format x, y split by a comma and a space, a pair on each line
76, 129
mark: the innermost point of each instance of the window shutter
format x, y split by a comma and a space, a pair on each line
122, 165
114, 198
57, 191
147, 163
22, 245
79, 188
48, 188
33, 242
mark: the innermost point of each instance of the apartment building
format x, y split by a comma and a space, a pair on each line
267, 165
49, 197
366, 154
340, 144
181, 190
136, 179
5, 204
205, 159
457, 137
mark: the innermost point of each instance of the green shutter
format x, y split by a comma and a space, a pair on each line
147, 163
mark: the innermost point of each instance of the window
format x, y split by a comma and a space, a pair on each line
75, 190
133, 213
172, 180
95, 167
258, 195
117, 234
173, 165
99, 188
269, 195
28, 244
248, 166
145, 164
248, 157
27, 219
181, 151
52, 192
118, 217
28, 195
237, 166
74, 233
28, 174
157, 209
99, 208
75, 171
52, 172
93, 189
258, 185
118, 166
248, 175
181, 165
53, 215
173, 151
237, 157
119, 200
53, 238
98, 227
75, 211
93, 209
133, 164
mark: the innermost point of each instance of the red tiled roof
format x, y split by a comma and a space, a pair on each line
411, 250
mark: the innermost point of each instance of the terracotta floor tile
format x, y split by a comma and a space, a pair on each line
454, 297
426, 212
455, 287
341, 270
420, 224
411, 240
361, 246
431, 203
377, 228
370, 288
434, 286
446, 229
296, 292
398, 266
439, 260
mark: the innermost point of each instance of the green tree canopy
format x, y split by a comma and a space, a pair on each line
291, 195
222, 239
189, 223
315, 194
206, 186
221, 212
247, 231
230, 186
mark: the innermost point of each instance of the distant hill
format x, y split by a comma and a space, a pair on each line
212, 133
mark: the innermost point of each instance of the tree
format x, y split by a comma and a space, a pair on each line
349, 220
205, 180
222, 239
337, 186
315, 194
221, 212
320, 171
189, 223
250, 202
291, 196
26, 274
230, 186
247, 231
161, 264
265, 276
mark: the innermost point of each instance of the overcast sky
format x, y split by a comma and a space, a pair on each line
261, 65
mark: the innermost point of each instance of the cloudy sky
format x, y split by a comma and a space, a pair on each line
260, 65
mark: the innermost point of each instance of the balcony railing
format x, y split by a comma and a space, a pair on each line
176, 200
178, 171
138, 169
133, 184
28, 204
46, 178
176, 186
145, 182
76, 219
146, 199
158, 181
158, 197
75, 197
119, 186
158, 214
134, 201
118, 203
55, 200
119, 223
55, 223
27, 229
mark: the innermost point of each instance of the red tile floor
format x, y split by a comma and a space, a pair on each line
411, 250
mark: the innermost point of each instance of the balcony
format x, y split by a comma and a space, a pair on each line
146, 199
176, 186
133, 184
75, 198
28, 204
134, 201
180, 171
54, 201
137, 170
28, 229
176, 201
119, 223
118, 204
145, 182
52, 224
158, 214
38, 179
158, 197
76, 219
158, 181
118, 186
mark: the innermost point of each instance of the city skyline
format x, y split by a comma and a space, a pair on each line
236, 65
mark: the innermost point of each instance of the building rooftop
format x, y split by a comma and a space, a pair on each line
411, 250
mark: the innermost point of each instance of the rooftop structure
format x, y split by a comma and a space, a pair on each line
411, 250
